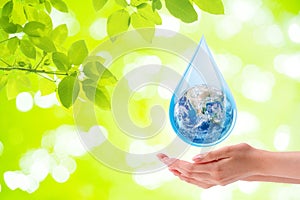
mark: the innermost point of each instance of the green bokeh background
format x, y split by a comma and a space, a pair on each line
257, 47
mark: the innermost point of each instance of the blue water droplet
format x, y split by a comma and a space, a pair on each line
202, 109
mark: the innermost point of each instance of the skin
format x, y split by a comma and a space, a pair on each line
238, 162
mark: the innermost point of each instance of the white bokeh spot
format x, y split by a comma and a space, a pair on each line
24, 102
98, 29
46, 101
282, 137
257, 85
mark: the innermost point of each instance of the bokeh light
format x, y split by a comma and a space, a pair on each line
24, 102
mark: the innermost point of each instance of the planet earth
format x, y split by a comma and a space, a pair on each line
203, 114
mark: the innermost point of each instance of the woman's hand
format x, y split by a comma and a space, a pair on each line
219, 167
233, 163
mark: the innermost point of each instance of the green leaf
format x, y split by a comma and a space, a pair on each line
156, 5
210, 6
48, 6
118, 22
17, 15
61, 61
44, 43
59, 5
147, 12
68, 90
98, 95
97, 72
3, 80
7, 9
8, 26
182, 10
45, 19
3, 35
31, 13
138, 22
122, 3
34, 29
13, 44
17, 82
28, 49
60, 34
32, 2
137, 2
99, 4
78, 52
34, 14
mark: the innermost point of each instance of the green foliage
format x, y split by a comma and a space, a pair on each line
78, 52
28, 49
145, 13
48, 6
136, 3
59, 34
183, 11
98, 4
122, 3
34, 29
94, 87
59, 5
40, 49
145, 10
17, 82
7, 9
13, 44
156, 5
3, 80
8, 26
44, 43
61, 61
211, 6
95, 70
68, 90
118, 22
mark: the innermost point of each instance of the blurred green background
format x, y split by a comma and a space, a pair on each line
257, 47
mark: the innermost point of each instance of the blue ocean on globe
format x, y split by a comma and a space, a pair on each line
202, 115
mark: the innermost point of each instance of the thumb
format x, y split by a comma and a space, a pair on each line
212, 156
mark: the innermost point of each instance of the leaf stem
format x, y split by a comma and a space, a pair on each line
49, 79
33, 70
5, 62
7, 40
41, 60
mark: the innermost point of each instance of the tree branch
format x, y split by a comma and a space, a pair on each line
34, 70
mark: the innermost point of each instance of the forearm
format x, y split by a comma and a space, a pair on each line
278, 164
272, 179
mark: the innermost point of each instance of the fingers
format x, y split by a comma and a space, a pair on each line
196, 182
216, 155
183, 166
161, 156
200, 174
165, 159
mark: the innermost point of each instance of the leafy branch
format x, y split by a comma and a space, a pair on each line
145, 13
34, 71
30, 43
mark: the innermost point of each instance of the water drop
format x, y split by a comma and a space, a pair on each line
202, 109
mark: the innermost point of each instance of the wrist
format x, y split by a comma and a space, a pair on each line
259, 159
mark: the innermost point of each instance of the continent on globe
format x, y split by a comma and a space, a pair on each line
203, 114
